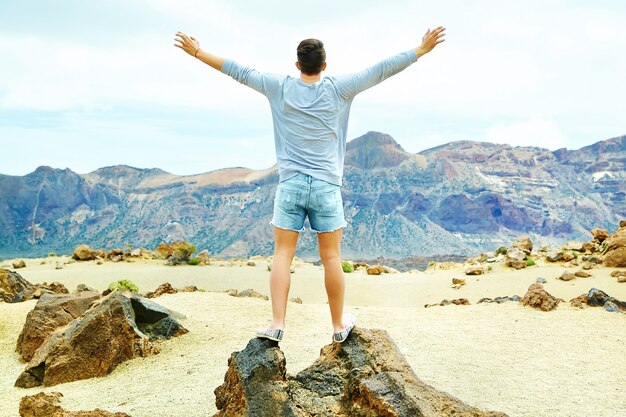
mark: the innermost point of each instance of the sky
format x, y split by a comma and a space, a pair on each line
88, 84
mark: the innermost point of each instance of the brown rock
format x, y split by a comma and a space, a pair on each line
165, 288
618, 273
575, 246
524, 244
515, 258
204, 259
539, 298
84, 253
375, 270
582, 274
590, 247
474, 270
458, 281
579, 302
19, 264
50, 313
366, 376
461, 302
621, 280
163, 251
296, 300
600, 234
12, 286
116, 329
188, 288
360, 265
567, 276
251, 293
615, 251
554, 256
48, 405
588, 265
567, 256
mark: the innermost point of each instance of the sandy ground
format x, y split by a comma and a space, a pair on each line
526, 363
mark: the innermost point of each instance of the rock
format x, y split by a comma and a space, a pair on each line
83, 287
251, 263
567, 276
541, 280
575, 246
188, 288
389, 270
50, 313
485, 300
296, 300
621, 280
84, 253
554, 256
599, 298
232, 292
617, 274
579, 302
375, 270
474, 270
94, 344
251, 293
611, 306
582, 274
165, 288
203, 257
461, 301
600, 234
360, 265
539, 298
98, 262
19, 264
163, 251
515, 258
524, 244
48, 405
567, 256
365, 376
458, 281
12, 286
587, 266
615, 251
590, 247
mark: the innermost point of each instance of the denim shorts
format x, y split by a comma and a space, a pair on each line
301, 196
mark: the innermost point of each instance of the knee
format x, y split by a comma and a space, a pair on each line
330, 257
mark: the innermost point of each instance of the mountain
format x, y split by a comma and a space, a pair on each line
458, 198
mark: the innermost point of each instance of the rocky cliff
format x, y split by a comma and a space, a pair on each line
456, 198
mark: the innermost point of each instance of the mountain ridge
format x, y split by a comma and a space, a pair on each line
454, 198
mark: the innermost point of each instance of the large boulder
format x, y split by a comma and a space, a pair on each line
515, 258
524, 244
365, 376
50, 313
93, 345
539, 298
84, 253
615, 251
599, 235
48, 405
12, 286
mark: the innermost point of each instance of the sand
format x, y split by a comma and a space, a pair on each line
509, 358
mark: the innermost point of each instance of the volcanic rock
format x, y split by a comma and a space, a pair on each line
539, 298
94, 344
47, 405
365, 376
165, 288
615, 252
50, 313
524, 244
19, 264
599, 298
12, 286
84, 253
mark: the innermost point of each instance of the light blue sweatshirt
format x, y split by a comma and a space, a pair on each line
311, 120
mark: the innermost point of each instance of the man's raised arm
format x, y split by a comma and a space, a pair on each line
191, 45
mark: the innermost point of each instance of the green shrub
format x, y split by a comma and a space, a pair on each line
193, 261
52, 254
575, 254
530, 262
124, 285
347, 267
489, 267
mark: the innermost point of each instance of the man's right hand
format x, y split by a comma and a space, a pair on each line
430, 40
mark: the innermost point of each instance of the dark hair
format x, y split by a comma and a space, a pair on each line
311, 56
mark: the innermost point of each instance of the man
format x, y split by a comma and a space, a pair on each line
310, 116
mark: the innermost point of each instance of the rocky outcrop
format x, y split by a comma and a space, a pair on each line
116, 329
166, 288
365, 376
84, 253
50, 313
48, 405
14, 288
615, 252
539, 298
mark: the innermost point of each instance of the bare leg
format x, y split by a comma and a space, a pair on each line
285, 242
329, 244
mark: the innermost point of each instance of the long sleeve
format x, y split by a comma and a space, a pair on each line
350, 85
267, 84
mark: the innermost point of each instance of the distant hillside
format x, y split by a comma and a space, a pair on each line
452, 199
